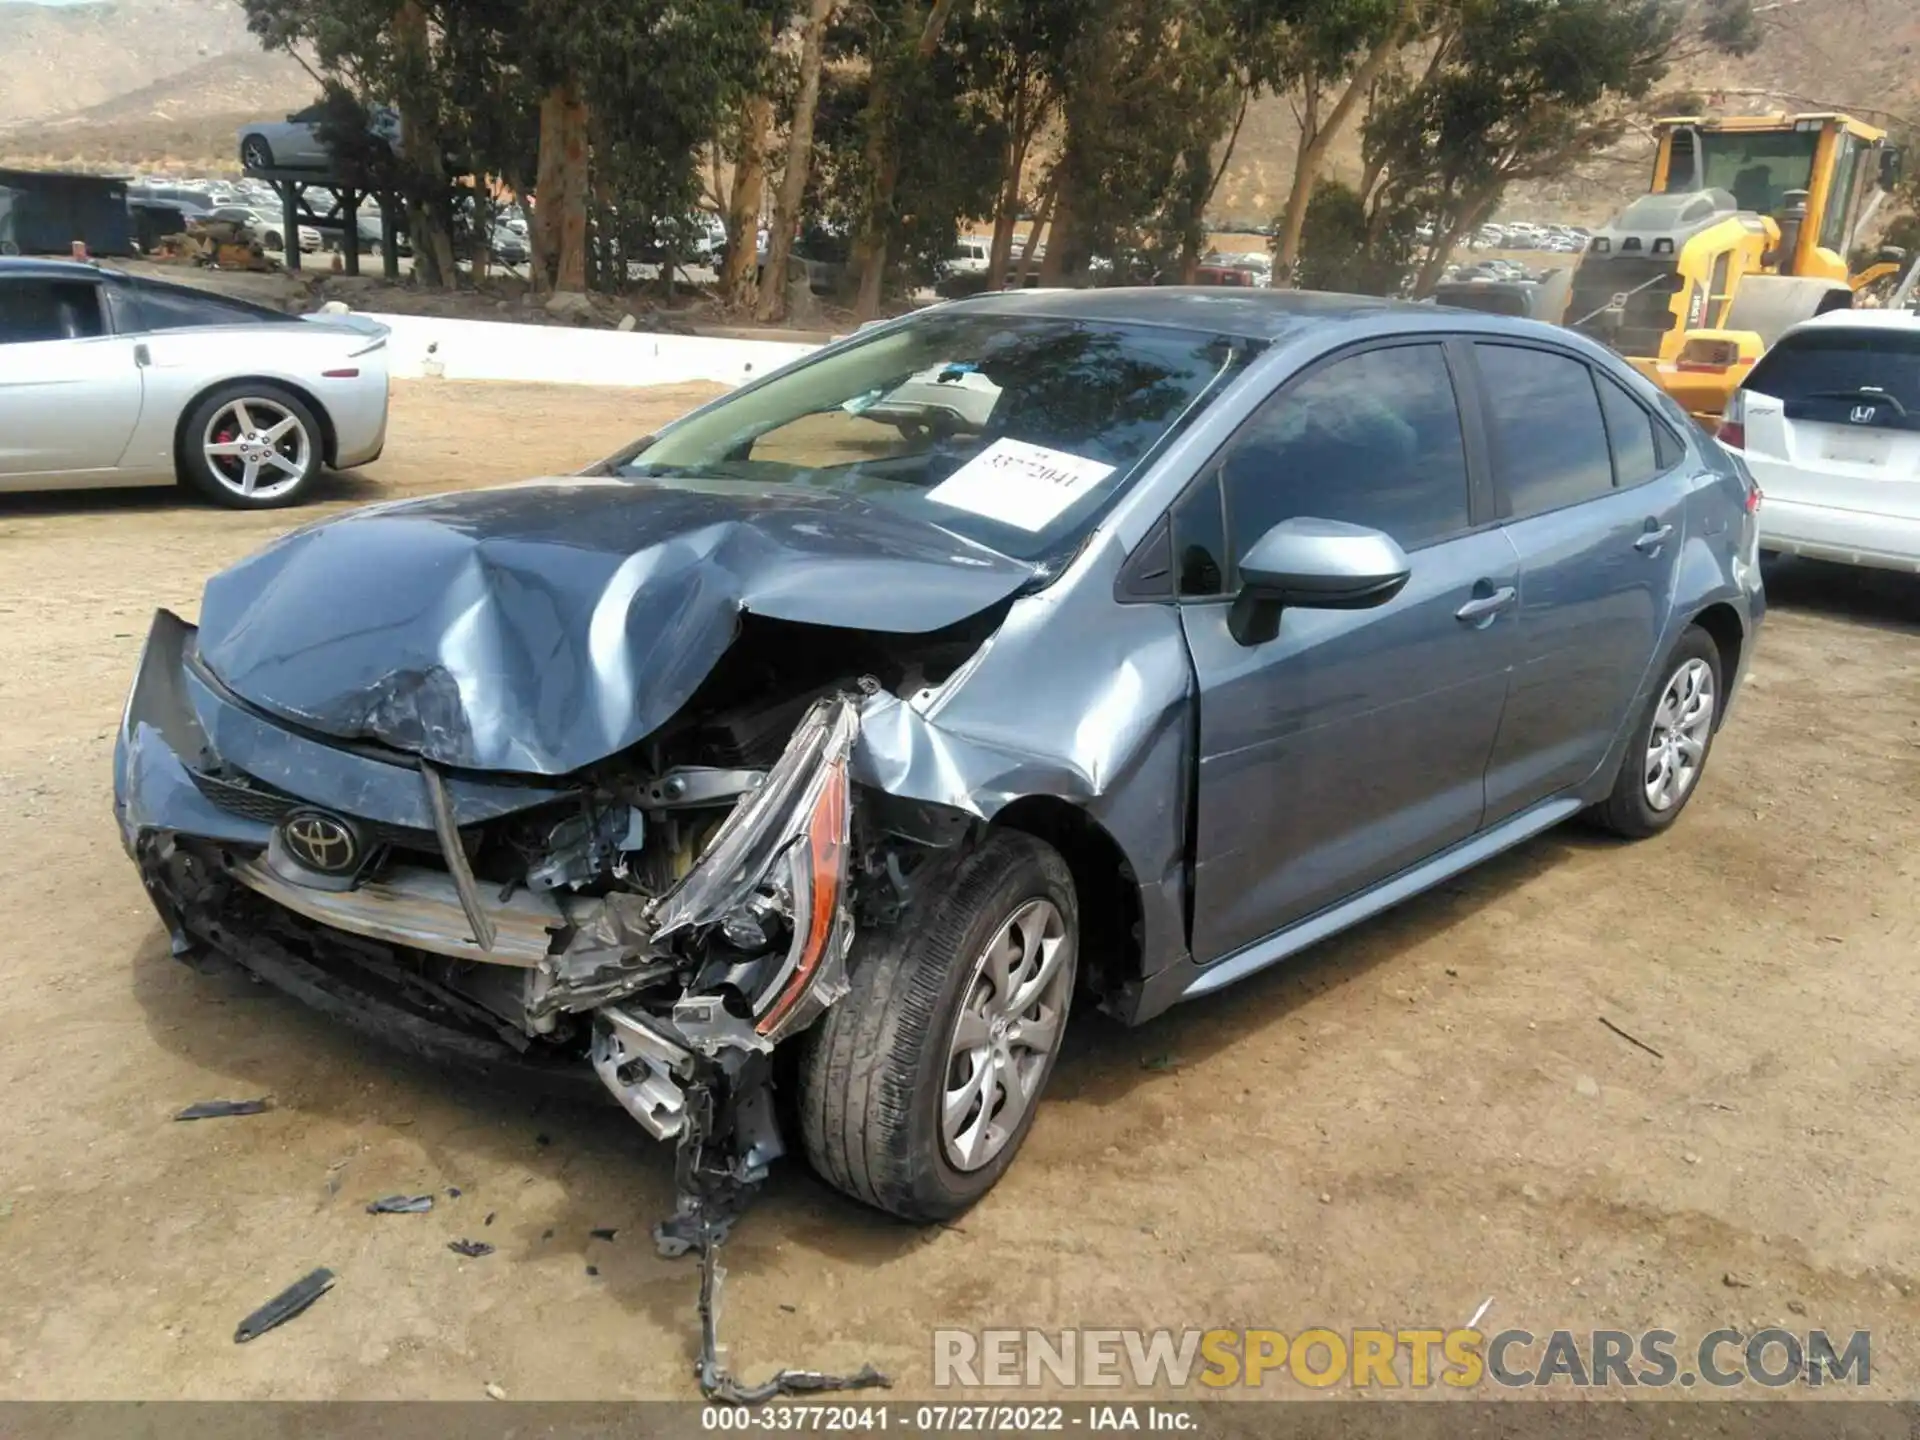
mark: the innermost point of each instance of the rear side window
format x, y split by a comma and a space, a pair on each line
1373, 439
1549, 443
1636, 453
1827, 375
33, 309
154, 306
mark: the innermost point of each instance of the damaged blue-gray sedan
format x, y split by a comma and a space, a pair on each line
1030, 651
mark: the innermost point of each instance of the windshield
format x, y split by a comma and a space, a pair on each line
1758, 169
1015, 431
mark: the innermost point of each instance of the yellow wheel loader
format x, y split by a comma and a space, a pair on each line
1746, 230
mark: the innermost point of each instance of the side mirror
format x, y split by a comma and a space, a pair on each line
1317, 565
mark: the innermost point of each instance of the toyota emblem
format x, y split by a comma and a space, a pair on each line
321, 842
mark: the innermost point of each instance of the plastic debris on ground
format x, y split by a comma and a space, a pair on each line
220, 1109
401, 1205
284, 1306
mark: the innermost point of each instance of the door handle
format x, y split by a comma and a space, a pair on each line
1650, 541
142, 356
1485, 607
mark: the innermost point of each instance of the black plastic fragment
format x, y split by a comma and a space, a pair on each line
284, 1306
453, 1192
489, 1219
471, 1248
220, 1109
593, 1269
603, 1234
401, 1205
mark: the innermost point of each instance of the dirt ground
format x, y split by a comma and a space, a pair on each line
1409, 1120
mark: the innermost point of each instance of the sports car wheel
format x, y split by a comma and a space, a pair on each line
917, 1089
255, 153
251, 447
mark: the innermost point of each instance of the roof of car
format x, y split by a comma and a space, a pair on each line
1857, 319
52, 269
1253, 313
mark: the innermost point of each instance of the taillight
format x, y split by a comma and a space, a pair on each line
1753, 500
1733, 422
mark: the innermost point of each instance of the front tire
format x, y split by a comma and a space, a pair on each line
255, 153
251, 446
917, 1089
1671, 740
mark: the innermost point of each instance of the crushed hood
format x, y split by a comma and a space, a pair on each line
541, 627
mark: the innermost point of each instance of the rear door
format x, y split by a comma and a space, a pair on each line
70, 391
1353, 743
1832, 417
1594, 491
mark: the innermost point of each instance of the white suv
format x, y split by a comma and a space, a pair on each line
1829, 424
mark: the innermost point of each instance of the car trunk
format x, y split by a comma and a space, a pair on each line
1831, 417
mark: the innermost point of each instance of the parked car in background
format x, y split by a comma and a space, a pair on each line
1828, 421
1035, 650
296, 144
508, 247
110, 379
267, 226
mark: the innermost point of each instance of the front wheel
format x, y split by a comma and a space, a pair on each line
255, 153
1671, 738
251, 446
917, 1089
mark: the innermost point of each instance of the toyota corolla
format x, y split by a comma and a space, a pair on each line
1029, 652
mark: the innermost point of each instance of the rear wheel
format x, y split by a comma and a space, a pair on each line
251, 447
1668, 751
917, 1089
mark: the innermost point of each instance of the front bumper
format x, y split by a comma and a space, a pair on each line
421, 953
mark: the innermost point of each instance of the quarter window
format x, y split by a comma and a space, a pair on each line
1549, 444
1636, 453
1372, 439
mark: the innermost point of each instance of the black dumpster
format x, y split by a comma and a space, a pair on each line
50, 209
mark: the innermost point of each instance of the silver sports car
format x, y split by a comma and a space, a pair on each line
112, 379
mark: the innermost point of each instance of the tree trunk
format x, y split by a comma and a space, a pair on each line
1313, 149
793, 179
571, 273
883, 166
1472, 217
420, 146
1042, 218
1007, 213
543, 226
1053, 265
560, 216
737, 279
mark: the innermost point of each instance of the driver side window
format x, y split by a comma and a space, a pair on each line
1372, 439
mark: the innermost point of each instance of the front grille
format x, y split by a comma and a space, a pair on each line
242, 795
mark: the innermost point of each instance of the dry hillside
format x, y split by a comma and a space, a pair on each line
135, 83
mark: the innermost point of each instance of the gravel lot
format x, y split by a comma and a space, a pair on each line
1412, 1118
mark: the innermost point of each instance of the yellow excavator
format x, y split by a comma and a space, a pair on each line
1746, 229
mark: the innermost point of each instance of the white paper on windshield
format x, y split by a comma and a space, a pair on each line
1020, 484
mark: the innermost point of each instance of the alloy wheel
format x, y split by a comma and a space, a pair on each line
1011, 1018
257, 448
1677, 743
